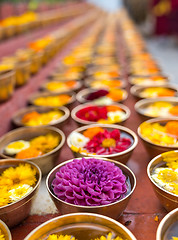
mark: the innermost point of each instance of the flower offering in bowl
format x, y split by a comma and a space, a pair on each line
40, 145
52, 99
103, 140
105, 83
91, 185
106, 114
163, 174
150, 80
7, 82
158, 107
19, 182
102, 96
154, 91
167, 229
37, 116
159, 135
81, 226
5, 233
61, 86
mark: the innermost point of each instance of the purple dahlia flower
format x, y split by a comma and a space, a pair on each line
89, 182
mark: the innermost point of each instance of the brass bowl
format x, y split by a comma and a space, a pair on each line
17, 117
154, 149
47, 161
77, 86
81, 225
121, 157
141, 105
136, 91
36, 62
22, 72
46, 94
147, 81
83, 93
5, 231
167, 199
88, 83
7, 83
61, 76
113, 210
165, 226
13, 213
82, 122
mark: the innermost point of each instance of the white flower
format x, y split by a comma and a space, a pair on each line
103, 101
116, 116
20, 191
78, 140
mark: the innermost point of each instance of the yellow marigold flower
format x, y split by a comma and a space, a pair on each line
4, 198
174, 238
171, 158
45, 143
2, 237
60, 237
23, 174
109, 237
19, 192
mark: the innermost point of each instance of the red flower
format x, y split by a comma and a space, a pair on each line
105, 143
92, 113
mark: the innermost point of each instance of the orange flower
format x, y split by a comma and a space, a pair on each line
172, 127
71, 84
32, 115
28, 153
174, 111
91, 132
113, 108
115, 94
166, 93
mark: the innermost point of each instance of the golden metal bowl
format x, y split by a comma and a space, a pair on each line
166, 198
141, 105
167, 225
89, 81
5, 231
82, 122
17, 117
137, 91
81, 96
77, 86
146, 81
36, 62
154, 149
47, 161
113, 210
13, 213
83, 225
22, 72
46, 94
7, 83
121, 157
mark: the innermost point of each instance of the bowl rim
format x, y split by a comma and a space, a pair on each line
135, 88
163, 221
47, 94
7, 230
146, 101
21, 112
77, 86
90, 207
149, 174
154, 120
82, 106
37, 184
114, 126
80, 95
54, 129
83, 214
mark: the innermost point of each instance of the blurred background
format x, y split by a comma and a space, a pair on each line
157, 20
